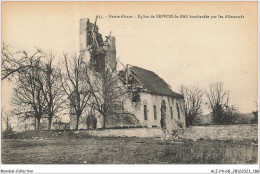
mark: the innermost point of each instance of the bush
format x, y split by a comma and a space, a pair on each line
8, 133
240, 118
179, 124
255, 120
196, 121
175, 133
222, 115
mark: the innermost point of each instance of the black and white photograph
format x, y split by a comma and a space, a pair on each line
159, 83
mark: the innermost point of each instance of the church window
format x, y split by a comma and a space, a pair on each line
155, 112
145, 112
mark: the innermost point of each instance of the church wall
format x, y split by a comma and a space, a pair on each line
150, 101
135, 114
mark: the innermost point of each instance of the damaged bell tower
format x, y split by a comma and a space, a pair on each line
150, 101
99, 53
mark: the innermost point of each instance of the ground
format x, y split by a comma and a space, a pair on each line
69, 148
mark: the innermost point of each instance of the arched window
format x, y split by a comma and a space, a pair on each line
154, 112
145, 112
178, 110
171, 112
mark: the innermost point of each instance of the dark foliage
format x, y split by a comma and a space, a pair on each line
255, 120
223, 115
8, 133
218, 99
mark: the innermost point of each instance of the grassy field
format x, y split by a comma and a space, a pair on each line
69, 148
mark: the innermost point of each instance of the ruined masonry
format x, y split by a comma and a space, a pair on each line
150, 103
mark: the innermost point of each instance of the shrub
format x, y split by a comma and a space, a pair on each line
255, 120
8, 133
196, 121
223, 114
179, 124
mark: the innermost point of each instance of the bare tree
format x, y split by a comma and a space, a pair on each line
52, 90
217, 95
193, 102
73, 85
14, 62
107, 92
218, 99
5, 119
28, 97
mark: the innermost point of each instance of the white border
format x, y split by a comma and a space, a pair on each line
128, 168
132, 168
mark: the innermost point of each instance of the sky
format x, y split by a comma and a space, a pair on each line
182, 51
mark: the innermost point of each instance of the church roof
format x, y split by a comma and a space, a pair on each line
153, 83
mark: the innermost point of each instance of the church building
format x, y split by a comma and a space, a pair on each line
150, 101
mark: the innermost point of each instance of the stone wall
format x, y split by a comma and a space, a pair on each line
222, 132
130, 132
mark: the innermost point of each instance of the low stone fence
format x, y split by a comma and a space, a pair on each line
214, 132
222, 132
129, 132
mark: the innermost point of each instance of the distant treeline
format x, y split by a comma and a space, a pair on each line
237, 118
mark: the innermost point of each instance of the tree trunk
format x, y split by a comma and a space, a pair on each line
77, 123
35, 124
187, 121
38, 123
49, 124
104, 122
